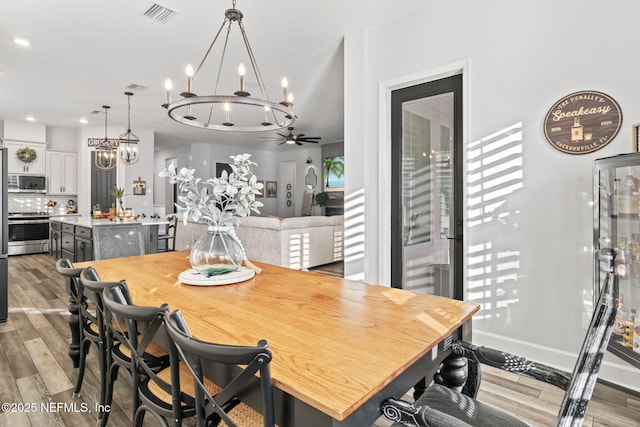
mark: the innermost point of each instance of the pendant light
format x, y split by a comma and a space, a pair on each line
128, 141
106, 153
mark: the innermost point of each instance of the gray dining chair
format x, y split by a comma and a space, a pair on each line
440, 406
117, 240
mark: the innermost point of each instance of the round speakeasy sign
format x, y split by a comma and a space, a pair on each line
582, 122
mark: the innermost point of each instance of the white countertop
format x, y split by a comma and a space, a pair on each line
89, 222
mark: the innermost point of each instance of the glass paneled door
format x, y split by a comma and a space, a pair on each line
426, 124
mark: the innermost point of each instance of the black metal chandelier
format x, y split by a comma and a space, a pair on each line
236, 112
128, 141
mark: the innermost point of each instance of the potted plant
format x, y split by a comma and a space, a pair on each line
118, 193
321, 198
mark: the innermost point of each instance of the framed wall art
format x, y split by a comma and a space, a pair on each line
271, 189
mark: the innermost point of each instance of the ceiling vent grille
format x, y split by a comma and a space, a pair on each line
159, 13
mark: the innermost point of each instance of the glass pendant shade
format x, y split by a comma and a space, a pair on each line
106, 155
128, 148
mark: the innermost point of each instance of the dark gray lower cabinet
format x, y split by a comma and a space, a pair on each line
84, 249
71, 242
55, 240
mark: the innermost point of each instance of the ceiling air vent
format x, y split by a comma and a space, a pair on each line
159, 13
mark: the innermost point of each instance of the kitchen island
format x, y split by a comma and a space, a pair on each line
71, 237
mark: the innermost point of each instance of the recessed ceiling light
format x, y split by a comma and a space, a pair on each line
21, 41
83, 121
30, 119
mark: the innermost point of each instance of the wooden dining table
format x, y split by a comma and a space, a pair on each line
340, 347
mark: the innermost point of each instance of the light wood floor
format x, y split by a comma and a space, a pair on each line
35, 368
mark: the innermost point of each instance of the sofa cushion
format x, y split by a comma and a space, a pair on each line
306, 221
270, 223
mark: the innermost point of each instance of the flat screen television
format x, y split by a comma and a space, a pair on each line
333, 173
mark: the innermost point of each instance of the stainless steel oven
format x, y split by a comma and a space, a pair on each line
28, 233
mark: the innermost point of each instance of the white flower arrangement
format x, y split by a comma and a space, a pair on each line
217, 200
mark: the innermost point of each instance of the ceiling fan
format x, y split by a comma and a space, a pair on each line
298, 139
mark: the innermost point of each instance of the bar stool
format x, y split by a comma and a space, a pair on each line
169, 235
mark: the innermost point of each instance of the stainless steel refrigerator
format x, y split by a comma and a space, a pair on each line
4, 232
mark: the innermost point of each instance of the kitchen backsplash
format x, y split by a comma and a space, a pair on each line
29, 202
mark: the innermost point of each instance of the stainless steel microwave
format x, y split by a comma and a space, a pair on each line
27, 183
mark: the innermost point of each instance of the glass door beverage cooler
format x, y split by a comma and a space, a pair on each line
616, 195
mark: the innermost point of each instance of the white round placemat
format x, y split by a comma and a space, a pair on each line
192, 277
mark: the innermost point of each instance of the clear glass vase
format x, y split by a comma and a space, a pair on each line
216, 252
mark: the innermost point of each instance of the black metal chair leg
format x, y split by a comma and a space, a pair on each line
103, 379
84, 350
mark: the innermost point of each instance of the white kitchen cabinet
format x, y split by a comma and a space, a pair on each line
61, 167
15, 165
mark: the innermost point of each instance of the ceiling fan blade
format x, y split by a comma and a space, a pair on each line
282, 135
283, 142
298, 143
309, 138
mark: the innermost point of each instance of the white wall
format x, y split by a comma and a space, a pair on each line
532, 273
63, 139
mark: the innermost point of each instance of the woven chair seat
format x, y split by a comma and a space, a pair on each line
186, 384
245, 416
242, 413
152, 349
93, 328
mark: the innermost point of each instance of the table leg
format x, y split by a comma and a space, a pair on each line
74, 325
419, 388
452, 373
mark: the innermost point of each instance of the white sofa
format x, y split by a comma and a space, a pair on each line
297, 242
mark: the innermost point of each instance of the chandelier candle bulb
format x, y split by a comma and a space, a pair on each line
168, 86
242, 72
266, 122
189, 71
227, 113
285, 84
